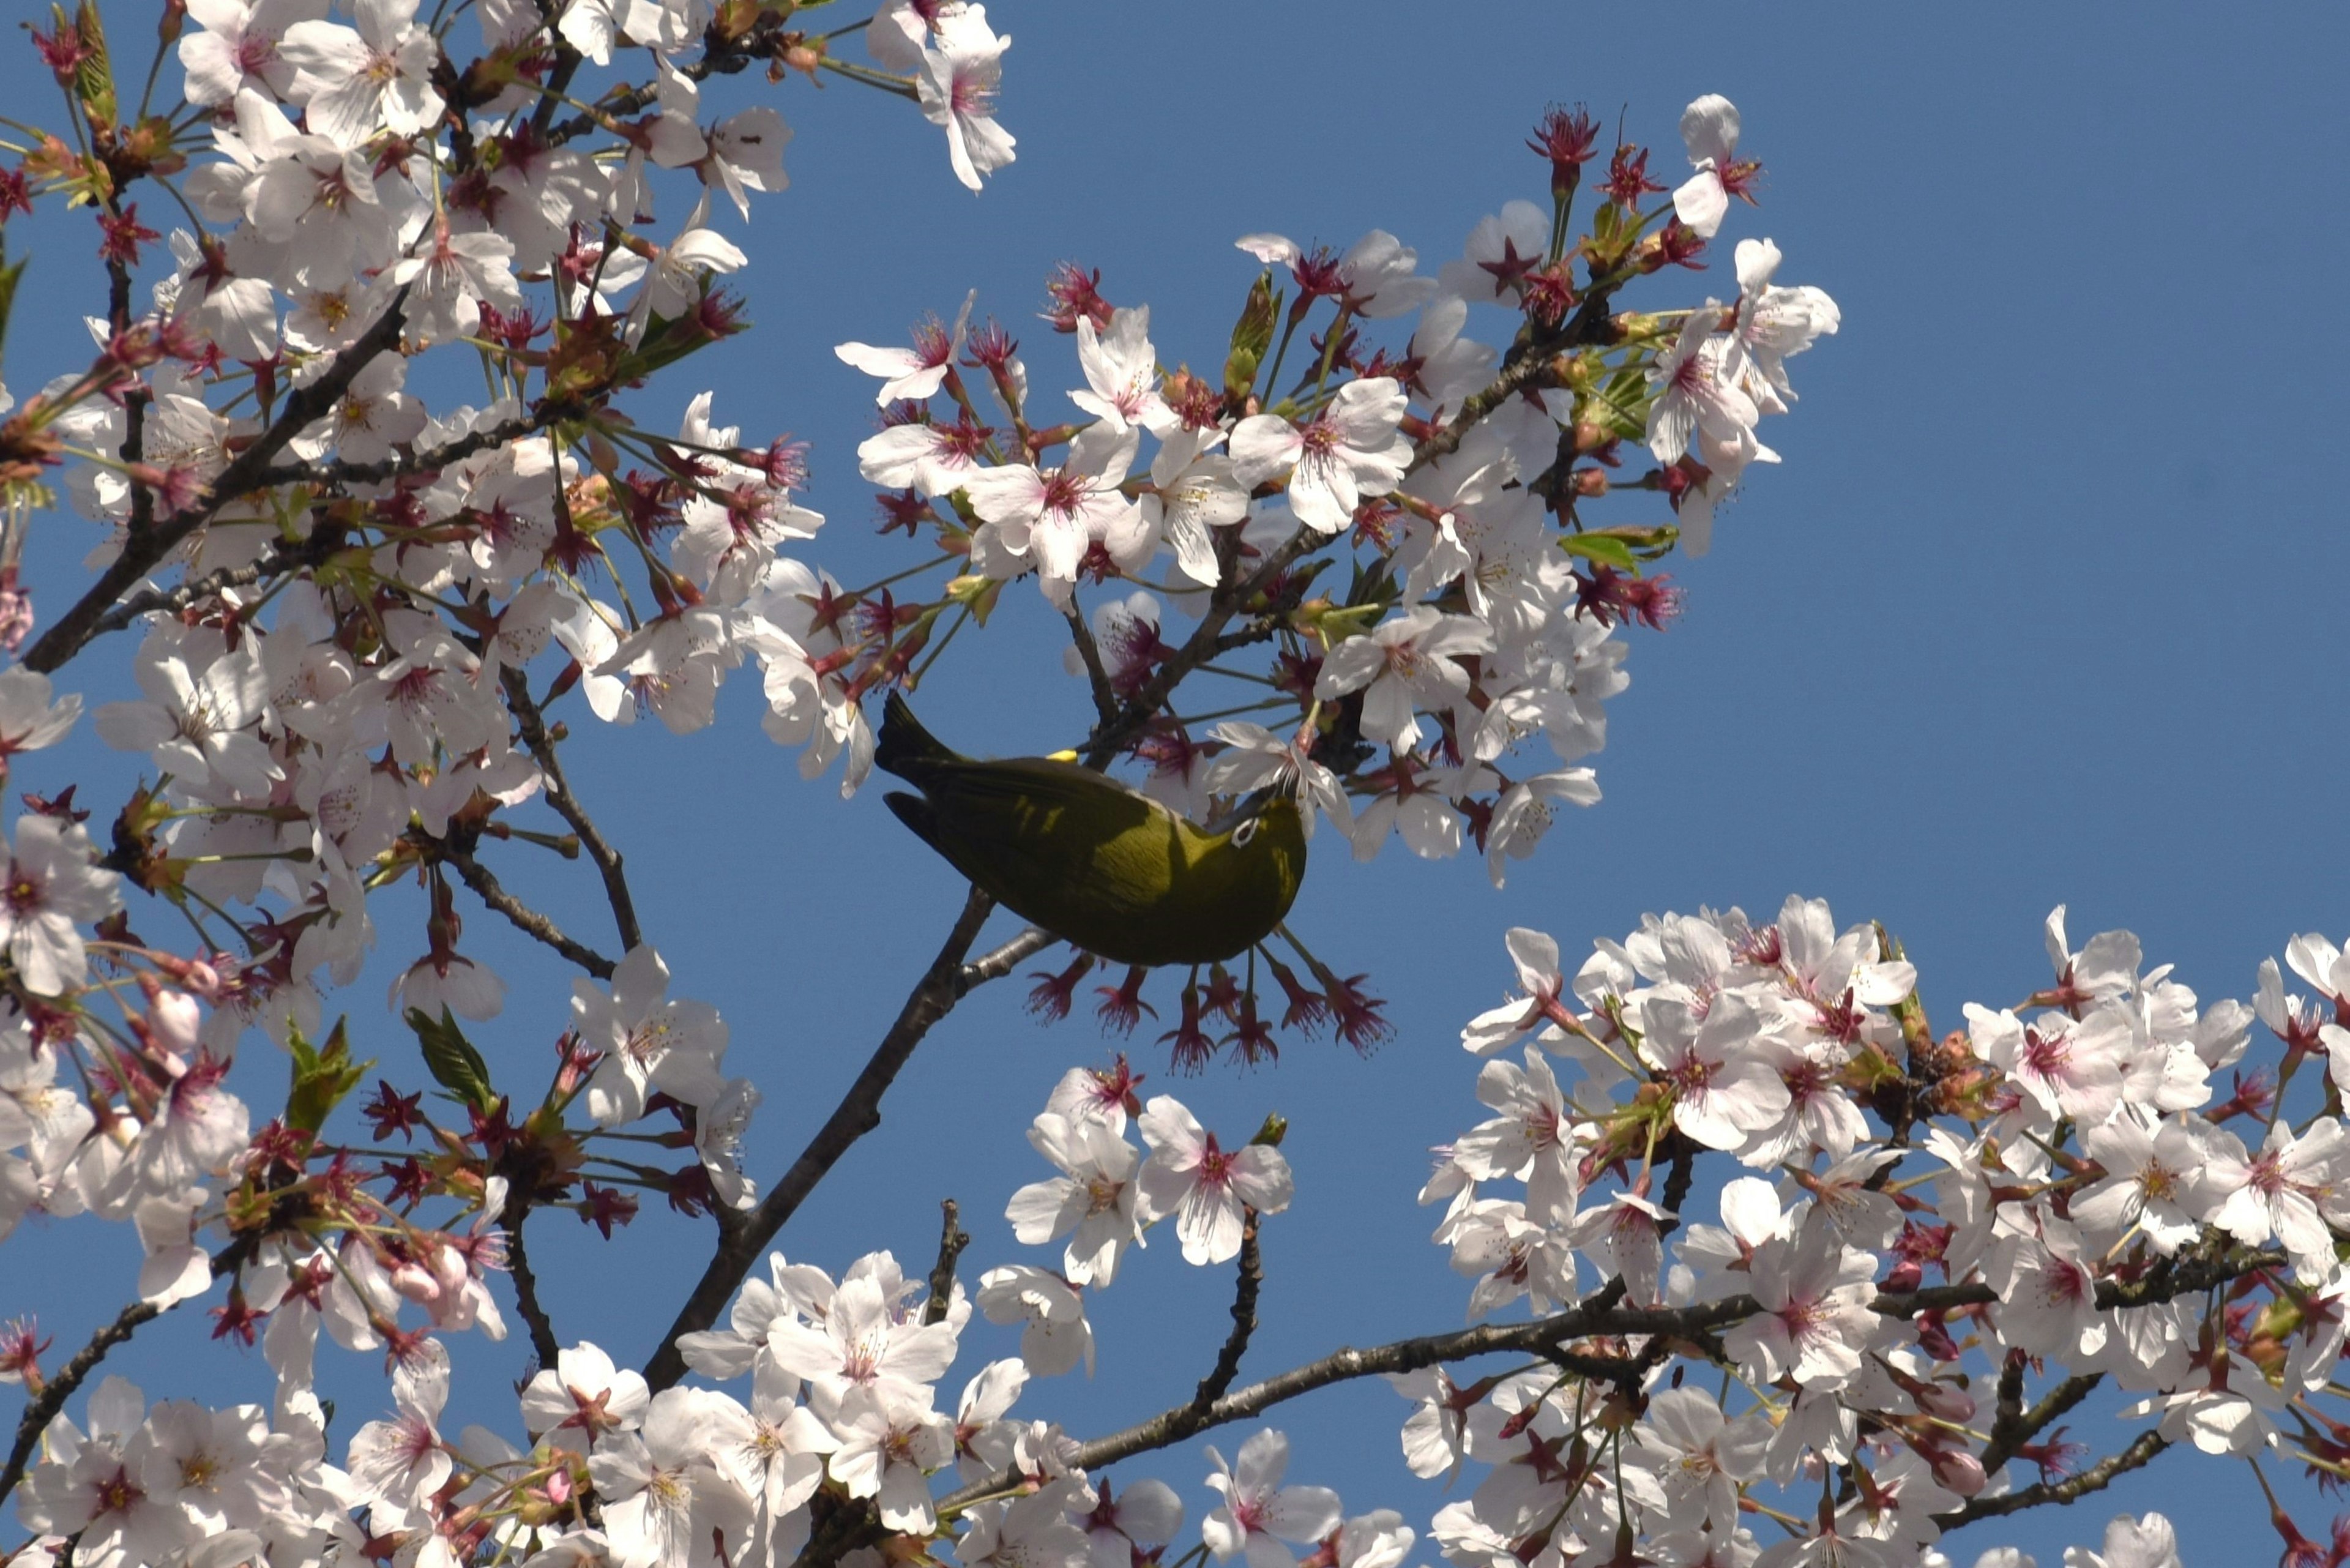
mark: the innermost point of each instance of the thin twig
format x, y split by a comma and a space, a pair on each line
2096, 1477
741, 1237
536, 739
1111, 736
144, 550
324, 539
525, 919
722, 56
952, 1240
1104, 695
1004, 960
1250, 1280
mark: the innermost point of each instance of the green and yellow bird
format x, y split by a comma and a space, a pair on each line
1105, 868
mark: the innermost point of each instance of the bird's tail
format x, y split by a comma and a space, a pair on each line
905, 748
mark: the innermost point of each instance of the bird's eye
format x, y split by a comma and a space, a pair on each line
1243, 832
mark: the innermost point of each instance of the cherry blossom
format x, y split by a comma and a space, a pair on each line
1710, 127
1407, 661
957, 82
1094, 1203
54, 887
347, 80
1259, 1513
1192, 1179
1334, 458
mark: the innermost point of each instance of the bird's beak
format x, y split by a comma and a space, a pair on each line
1248, 806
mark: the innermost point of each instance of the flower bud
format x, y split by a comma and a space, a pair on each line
176, 1019
1958, 1471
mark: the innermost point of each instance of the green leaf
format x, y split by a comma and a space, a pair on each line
1252, 336
1604, 548
9, 274
1619, 405
450, 1058
976, 593
321, 1077
94, 77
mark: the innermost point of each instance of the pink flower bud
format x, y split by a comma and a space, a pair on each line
176, 1019
1942, 1400
1958, 1471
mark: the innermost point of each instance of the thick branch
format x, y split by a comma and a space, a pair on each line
428, 461
1249, 1280
1599, 1315
543, 1342
1111, 736
537, 740
2010, 1434
43, 1406
742, 1237
144, 549
2096, 1477
525, 919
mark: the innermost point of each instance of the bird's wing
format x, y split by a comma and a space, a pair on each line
1049, 783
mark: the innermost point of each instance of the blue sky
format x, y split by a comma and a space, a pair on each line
2043, 605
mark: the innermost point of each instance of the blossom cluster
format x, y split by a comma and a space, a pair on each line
842, 1400
1484, 599
2053, 1191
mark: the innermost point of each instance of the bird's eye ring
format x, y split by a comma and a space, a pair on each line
1243, 832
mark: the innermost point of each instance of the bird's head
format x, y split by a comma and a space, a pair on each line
1264, 820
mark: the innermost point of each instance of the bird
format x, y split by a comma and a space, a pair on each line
1105, 868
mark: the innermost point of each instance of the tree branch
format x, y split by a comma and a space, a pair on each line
721, 56
1004, 960
144, 549
2096, 1477
952, 1240
543, 1342
540, 744
1250, 1280
326, 537
1111, 736
1105, 697
1599, 1315
524, 918
2008, 1435
428, 461
741, 1237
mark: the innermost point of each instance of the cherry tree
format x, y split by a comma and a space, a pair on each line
1763, 1267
